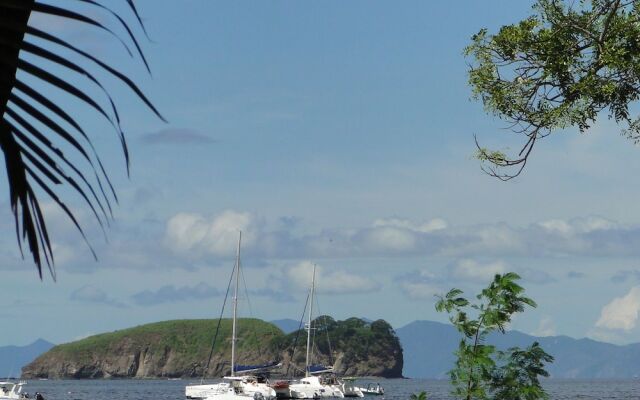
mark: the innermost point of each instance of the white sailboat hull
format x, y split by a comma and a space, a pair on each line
242, 388
312, 388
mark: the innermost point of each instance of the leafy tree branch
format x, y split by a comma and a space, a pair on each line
561, 67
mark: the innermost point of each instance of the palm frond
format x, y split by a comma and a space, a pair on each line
32, 124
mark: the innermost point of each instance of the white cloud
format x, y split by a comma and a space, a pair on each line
218, 235
199, 236
394, 239
610, 336
421, 285
546, 327
421, 290
471, 270
578, 225
400, 235
621, 312
329, 281
557, 226
425, 227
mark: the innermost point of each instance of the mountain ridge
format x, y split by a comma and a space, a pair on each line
13, 358
429, 348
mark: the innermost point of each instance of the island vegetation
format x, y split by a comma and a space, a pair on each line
180, 348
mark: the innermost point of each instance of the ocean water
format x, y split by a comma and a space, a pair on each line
394, 388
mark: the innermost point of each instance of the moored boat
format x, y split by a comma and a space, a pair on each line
235, 387
319, 380
349, 389
372, 389
12, 390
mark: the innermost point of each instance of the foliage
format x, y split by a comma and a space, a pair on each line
187, 336
258, 341
518, 376
481, 371
190, 340
44, 147
561, 67
418, 396
357, 339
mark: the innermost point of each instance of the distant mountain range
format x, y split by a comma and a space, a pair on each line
429, 346
287, 325
428, 352
13, 358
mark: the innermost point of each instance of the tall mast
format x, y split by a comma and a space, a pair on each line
235, 309
313, 285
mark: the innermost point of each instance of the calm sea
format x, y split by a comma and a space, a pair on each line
395, 389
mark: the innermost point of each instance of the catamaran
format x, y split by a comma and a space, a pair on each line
235, 387
313, 385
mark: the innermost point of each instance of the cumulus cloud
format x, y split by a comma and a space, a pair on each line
390, 238
472, 271
425, 284
335, 281
421, 285
424, 227
173, 294
578, 226
204, 236
622, 312
217, 235
421, 290
93, 294
546, 327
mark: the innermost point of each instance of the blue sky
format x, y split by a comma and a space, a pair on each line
336, 133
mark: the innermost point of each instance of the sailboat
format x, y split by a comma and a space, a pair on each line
313, 386
235, 387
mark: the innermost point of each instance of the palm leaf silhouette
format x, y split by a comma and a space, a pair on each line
33, 127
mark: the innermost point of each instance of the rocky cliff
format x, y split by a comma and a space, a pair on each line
181, 349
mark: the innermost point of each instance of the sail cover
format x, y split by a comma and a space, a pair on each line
252, 368
319, 369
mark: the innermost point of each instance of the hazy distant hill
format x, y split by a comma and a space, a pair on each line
429, 346
13, 358
287, 325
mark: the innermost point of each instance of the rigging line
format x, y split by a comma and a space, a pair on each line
326, 330
295, 340
313, 341
246, 293
215, 337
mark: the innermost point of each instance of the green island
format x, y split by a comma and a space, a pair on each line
180, 348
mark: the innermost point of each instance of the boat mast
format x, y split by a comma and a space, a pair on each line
235, 309
313, 285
